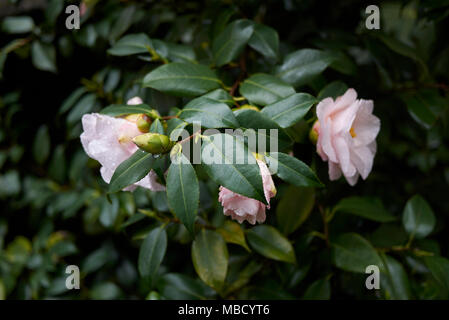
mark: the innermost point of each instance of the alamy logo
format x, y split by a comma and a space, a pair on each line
73, 20
73, 279
373, 280
373, 20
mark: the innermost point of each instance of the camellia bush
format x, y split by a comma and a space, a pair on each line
224, 150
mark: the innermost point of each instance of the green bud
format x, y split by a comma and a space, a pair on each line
314, 132
143, 123
154, 143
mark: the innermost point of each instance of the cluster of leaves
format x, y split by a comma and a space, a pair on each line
251, 66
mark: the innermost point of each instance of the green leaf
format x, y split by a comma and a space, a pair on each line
294, 208
402, 49
252, 119
220, 95
352, 252
43, 56
270, 243
17, 24
265, 40
332, 90
365, 207
210, 258
394, 282
152, 253
182, 79
292, 170
181, 287
131, 170
290, 110
174, 52
229, 163
301, 66
420, 109
439, 268
122, 22
183, 191
157, 127
418, 218
85, 105
117, 110
72, 99
131, 44
41, 146
231, 41
263, 89
211, 113
232, 232
318, 290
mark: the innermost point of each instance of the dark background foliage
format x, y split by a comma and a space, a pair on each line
54, 206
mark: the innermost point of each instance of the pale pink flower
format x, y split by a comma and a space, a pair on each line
109, 141
134, 101
242, 208
347, 132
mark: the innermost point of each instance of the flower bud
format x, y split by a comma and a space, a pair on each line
142, 121
314, 132
154, 143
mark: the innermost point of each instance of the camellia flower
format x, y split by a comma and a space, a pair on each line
347, 131
109, 141
242, 208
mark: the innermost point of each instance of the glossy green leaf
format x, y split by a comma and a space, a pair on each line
157, 127
270, 243
85, 105
183, 191
294, 208
41, 146
131, 170
290, 110
210, 113
220, 95
352, 252
292, 170
301, 66
318, 290
72, 99
232, 232
117, 110
365, 207
439, 268
131, 44
231, 41
182, 79
210, 258
17, 24
151, 253
229, 163
122, 22
332, 90
263, 89
181, 287
265, 40
418, 218
394, 281
420, 109
273, 133
43, 56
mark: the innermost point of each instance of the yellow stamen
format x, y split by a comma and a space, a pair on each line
352, 132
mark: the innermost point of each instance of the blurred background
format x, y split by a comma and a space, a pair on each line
54, 209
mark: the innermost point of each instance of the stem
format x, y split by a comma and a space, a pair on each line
168, 117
